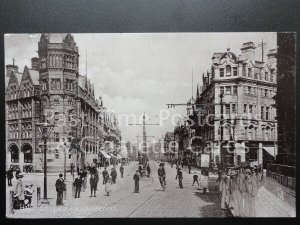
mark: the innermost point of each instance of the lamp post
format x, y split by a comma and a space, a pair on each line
221, 124
45, 129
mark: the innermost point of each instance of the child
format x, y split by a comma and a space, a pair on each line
28, 195
195, 177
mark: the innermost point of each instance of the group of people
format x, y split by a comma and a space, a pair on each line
22, 194
238, 189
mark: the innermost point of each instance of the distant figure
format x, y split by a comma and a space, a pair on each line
77, 184
122, 171
93, 184
9, 175
104, 174
113, 175
60, 188
78, 168
108, 185
190, 167
140, 171
136, 179
148, 170
252, 188
180, 178
195, 179
19, 191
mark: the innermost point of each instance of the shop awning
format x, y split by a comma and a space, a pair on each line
105, 154
270, 150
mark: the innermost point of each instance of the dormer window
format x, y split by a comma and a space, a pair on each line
228, 71
222, 72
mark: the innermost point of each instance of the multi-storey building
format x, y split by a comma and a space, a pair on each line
53, 86
237, 121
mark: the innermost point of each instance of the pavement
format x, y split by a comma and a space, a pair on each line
152, 201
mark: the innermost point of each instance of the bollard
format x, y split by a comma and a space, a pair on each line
11, 202
38, 196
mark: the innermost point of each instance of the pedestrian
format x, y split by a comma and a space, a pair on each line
19, 191
223, 190
251, 188
93, 184
84, 179
190, 167
148, 170
9, 175
18, 171
78, 170
195, 179
108, 183
72, 169
180, 178
177, 168
78, 184
204, 180
122, 171
140, 170
28, 195
242, 187
104, 174
136, 179
60, 188
235, 194
113, 175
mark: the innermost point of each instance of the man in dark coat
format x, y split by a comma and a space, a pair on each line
140, 171
136, 179
60, 188
148, 170
122, 171
190, 167
180, 177
104, 174
77, 184
93, 184
9, 175
113, 175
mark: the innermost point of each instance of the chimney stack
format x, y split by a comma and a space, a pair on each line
248, 51
35, 63
11, 69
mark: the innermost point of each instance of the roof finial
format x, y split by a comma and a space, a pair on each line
13, 61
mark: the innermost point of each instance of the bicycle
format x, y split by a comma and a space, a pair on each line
162, 183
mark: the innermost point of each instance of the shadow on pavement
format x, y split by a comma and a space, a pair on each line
213, 209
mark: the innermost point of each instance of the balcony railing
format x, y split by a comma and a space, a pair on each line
283, 174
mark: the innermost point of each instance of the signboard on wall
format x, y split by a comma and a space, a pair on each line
205, 160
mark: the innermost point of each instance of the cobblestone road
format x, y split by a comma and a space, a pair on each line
150, 202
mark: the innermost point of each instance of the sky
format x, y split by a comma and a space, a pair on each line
142, 72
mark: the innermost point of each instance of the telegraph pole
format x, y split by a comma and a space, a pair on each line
144, 124
262, 44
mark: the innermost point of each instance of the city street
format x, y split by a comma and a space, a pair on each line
150, 202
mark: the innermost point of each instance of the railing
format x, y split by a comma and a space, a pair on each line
283, 174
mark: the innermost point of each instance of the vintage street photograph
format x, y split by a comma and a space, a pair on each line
150, 125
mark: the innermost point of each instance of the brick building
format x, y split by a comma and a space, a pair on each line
53, 86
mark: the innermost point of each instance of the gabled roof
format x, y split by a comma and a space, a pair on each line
34, 74
19, 77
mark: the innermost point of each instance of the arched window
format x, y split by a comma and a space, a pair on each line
228, 71
14, 151
27, 149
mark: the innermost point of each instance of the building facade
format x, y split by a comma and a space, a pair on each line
54, 90
235, 116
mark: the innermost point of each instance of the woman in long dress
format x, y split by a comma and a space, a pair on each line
108, 182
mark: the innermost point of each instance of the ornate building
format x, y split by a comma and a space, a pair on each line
237, 121
54, 87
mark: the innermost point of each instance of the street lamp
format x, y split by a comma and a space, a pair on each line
45, 129
221, 124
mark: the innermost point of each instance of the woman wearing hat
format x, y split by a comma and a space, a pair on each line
19, 192
235, 193
251, 188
